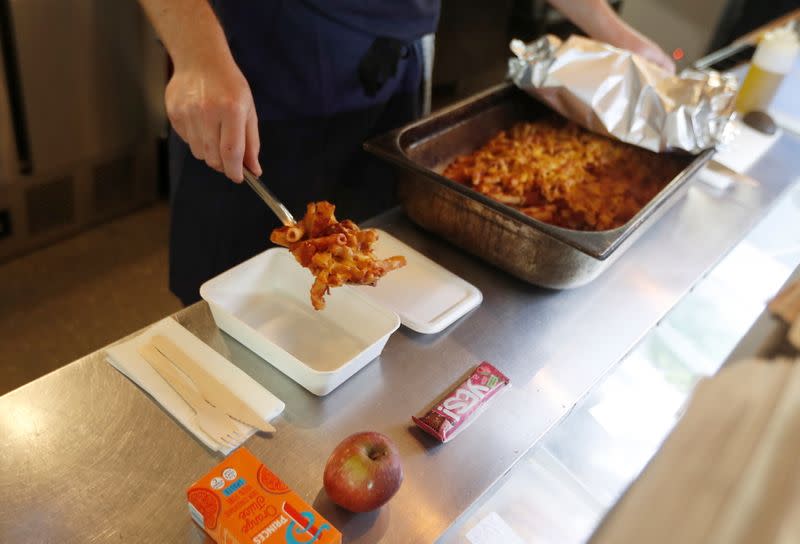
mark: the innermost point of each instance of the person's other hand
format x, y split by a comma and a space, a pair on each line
601, 22
210, 106
644, 47
655, 54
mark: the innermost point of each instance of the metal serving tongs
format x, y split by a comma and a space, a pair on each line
266, 195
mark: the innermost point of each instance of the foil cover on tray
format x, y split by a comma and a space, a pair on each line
619, 94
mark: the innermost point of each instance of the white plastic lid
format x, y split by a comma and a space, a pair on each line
777, 50
427, 297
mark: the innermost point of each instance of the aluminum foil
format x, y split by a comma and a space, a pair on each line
619, 94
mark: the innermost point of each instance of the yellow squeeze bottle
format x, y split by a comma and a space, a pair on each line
772, 60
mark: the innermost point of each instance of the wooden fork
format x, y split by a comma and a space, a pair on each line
211, 420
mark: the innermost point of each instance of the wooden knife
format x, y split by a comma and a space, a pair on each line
214, 391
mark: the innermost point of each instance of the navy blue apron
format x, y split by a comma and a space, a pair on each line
326, 75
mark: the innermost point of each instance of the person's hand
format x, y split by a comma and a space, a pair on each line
210, 106
648, 50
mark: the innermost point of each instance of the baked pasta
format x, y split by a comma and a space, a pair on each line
560, 173
335, 252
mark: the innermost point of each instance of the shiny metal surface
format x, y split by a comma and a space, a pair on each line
78, 129
97, 53
85, 456
537, 252
269, 199
586, 462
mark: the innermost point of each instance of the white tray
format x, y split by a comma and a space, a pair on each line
265, 304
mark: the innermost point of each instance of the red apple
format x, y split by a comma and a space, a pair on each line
363, 472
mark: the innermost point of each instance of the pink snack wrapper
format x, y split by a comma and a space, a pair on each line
461, 406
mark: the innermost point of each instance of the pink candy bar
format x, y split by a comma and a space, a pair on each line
461, 405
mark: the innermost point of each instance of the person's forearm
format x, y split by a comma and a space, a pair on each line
599, 21
189, 29
595, 17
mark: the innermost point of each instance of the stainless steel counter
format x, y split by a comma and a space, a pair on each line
561, 489
86, 456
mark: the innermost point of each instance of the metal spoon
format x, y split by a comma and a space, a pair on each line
266, 195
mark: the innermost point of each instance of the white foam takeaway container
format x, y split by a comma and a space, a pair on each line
264, 303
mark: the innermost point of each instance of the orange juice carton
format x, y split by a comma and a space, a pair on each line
240, 501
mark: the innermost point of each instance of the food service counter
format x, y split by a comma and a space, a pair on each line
87, 456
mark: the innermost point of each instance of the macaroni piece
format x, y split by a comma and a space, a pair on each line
335, 252
559, 173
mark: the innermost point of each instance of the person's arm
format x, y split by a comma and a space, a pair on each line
598, 20
208, 100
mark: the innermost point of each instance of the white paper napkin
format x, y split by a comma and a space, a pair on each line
125, 358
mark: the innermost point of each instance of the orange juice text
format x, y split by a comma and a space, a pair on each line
241, 501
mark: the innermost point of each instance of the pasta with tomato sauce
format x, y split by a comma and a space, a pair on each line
560, 173
335, 252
